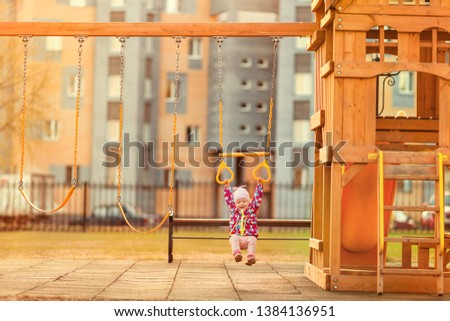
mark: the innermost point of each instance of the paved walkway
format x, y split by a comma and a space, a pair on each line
185, 280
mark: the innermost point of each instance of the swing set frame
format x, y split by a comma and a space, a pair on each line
159, 29
26, 30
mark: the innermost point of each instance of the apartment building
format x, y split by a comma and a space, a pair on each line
295, 102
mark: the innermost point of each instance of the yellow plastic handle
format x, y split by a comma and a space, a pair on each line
265, 165
223, 166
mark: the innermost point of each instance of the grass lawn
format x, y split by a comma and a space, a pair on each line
130, 245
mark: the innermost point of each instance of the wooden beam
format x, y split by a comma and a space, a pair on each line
327, 69
316, 244
315, 4
157, 29
317, 39
404, 10
327, 19
354, 69
326, 154
341, 5
416, 124
357, 154
357, 22
317, 120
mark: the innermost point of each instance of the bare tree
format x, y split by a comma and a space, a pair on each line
11, 89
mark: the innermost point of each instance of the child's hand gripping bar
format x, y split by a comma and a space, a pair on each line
264, 165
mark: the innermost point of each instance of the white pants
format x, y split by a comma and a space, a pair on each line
239, 243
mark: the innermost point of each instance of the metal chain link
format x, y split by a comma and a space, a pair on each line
178, 41
275, 41
119, 166
25, 40
81, 40
220, 41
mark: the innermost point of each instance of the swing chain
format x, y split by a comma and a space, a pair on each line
25, 40
276, 41
220, 41
81, 40
121, 76
178, 41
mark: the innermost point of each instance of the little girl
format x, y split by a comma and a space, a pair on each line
243, 220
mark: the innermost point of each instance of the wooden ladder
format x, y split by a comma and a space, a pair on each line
415, 166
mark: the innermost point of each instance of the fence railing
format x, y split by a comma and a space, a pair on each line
93, 206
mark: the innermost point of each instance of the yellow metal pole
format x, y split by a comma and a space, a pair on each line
441, 203
381, 199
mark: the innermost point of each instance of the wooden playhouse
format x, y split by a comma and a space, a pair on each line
363, 151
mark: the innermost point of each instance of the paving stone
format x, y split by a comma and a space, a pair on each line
186, 280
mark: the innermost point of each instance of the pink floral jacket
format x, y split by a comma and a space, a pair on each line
250, 214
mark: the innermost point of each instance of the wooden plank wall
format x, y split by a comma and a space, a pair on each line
444, 113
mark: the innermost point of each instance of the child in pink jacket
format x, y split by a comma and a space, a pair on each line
243, 220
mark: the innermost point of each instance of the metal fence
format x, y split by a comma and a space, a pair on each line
93, 206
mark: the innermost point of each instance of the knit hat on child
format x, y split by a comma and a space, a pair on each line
240, 193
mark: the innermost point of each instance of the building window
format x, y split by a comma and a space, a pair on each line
263, 63
69, 173
261, 107
173, 6
303, 75
300, 177
246, 62
261, 129
77, 3
114, 86
245, 106
303, 14
113, 116
195, 48
148, 45
51, 130
192, 133
148, 113
150, 4
53, 43
72, 86
301, 121
117, 3
302, 42
261, 85
244, 129
147, 135
170, 93
113, 129
147, 88
117, 16
246, 84
114, 45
